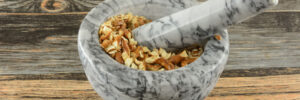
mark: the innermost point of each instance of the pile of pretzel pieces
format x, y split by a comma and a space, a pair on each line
117, 40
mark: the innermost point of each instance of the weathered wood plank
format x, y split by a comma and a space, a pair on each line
282, 87
46, 43
281, 21
268, 40
47, 6
53, 76
55, 54
258, 85
257, 72
47, 89
289, 96
66, 86
263, 48
55, 6
32, 28
287, 5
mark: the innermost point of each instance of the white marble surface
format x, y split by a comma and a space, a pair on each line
190, 26
114, 81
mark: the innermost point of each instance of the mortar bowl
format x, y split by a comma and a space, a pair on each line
115, 81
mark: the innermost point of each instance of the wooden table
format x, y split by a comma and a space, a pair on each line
39, 59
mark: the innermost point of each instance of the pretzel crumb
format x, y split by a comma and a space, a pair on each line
218, 37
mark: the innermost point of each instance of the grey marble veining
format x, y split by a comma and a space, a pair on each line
190, 26
114, 81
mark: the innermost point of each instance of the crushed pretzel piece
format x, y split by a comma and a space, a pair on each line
154, 53
134, 66
112, 52
163, 53
218, 37
121, 32
196, 52
106, 43
145, 49
137, 61
151, 59
128, 61
176, 59
187, 61
142, 66
106, 29
183, 54
125, 55
167, 65
110, 48
125, 46
105, 36
119, 58
138, 52
141, 55
153, 67
127, 34
132, 44
129, 17
116, 45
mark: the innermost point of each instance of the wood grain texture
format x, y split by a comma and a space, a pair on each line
259, 72
282, 87
39, 43
75, 86
55, 54
32, 28
268, 40
46, 43
47, 6
54, 6
287, 5
35, 28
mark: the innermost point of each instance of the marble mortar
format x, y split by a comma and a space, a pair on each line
115, 81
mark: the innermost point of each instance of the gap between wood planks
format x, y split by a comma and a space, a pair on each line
50, 6
84, 13
75, 86
35, 14
256, 72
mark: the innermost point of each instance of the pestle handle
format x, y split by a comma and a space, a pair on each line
189, 27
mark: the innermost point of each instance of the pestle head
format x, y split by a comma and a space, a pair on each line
274, 2
196, 24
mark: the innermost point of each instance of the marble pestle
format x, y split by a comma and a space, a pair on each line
193, 25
